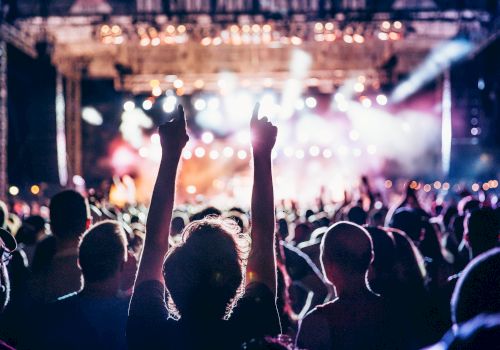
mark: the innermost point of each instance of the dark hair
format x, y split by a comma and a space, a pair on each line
28, 231
69, 212
204, 274
408, 221
102, 251
384, 250
477, 288
483, 229
348, 246
357, 215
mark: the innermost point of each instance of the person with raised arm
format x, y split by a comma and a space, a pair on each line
195, 294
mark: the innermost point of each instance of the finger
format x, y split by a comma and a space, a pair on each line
181, 117
255, 114
265, 119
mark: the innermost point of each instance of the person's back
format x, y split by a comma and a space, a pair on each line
358, 318
55, 263
94, 318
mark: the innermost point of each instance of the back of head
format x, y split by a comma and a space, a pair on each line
482, 332
69, 213
478, 287
357, 215
205, 272
383, 263
408, 221
103, 250
348, 247
483, 229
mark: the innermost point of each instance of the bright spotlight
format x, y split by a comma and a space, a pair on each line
242, 154
214, 154
155, 139
228, 152
199, 152
169, 104
314, 151
147, 104
78, 180
35, 189
354, 135
200, 104
207, 137
92, 116
13, 190
129, 106
381, 99
366, 102
311, 102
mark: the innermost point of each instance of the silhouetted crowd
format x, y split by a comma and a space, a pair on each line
357, 274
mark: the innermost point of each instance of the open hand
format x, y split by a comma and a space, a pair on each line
173, 134
263, 132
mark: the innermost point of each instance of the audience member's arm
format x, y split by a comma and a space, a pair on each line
262, 260
173, 137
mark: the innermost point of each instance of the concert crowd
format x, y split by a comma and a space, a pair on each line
362, 273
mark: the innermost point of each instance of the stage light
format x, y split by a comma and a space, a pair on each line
311, 102
437, 185
228, 152
199, 84
213, 103
356, 152
155, 41
348, 39
214, 154
397, 25
35, 189
486, 186
155, 139
359, 87
178, 83
242, 154
359, 38
147, 104
386, 25
78, 180
475, 131
200, 104
156, 91
327, 153
383, 36
181, 29
299, 154
288, 152
217, 41
207, 137
388, 184
427, 188
343, 106
342, 150
314, 151
318, 27
169, 104
371, 149
206, 41
329, 26
13, 190
366, 102
191, 189
92, 116
381, 99
129, 106
199, 152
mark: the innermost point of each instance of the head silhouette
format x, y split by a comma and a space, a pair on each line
69, 214
477, 289
346, 249
204, 273
103, 251
482, 230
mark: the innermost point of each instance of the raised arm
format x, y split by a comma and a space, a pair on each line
262, 260
173, 138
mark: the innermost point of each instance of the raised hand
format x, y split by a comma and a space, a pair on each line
173, 134
263, 132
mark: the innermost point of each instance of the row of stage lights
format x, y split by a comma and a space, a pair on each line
445, 186
255, 34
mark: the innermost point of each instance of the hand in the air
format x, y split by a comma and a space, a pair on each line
263, 132
173, 134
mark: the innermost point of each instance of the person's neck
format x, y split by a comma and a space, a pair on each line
102, 289
350, 285
67, 243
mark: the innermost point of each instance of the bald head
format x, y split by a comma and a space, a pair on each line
348, 247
